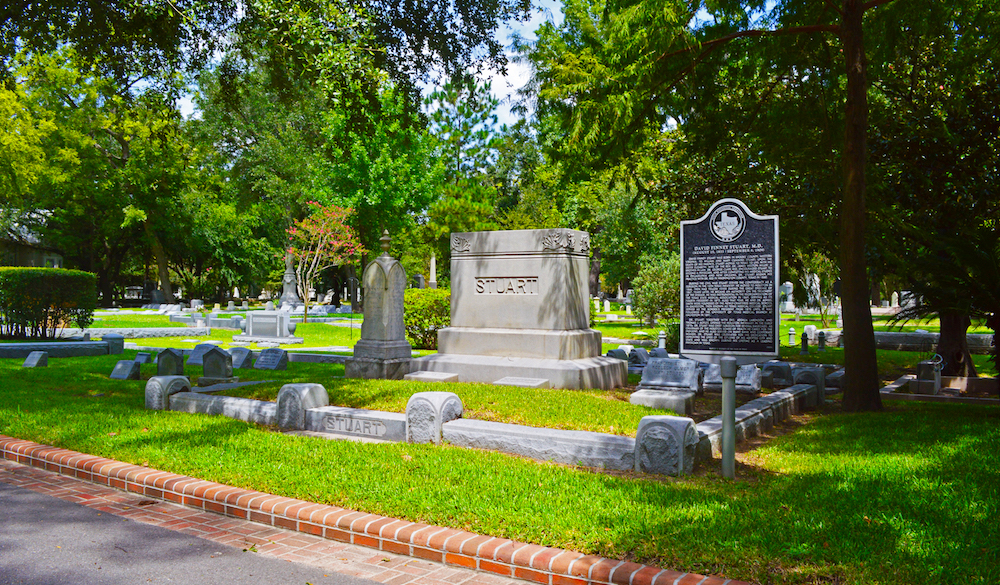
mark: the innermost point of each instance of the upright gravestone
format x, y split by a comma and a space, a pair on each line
272, 358
519, 308
383, 351
218, 368
195, 359
126, 370
231, 306
144, 357
242, 357
170, 362
729, 284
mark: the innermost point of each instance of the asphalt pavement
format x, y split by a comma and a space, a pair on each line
47, 541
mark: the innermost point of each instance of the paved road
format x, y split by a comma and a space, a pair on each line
48, 541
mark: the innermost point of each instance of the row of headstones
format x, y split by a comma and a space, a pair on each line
697, 376
217, 364
607, 308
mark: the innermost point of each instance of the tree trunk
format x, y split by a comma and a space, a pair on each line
162, 268
953, 345
861, 392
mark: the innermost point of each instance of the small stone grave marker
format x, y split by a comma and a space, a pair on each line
748, 379
144, 357
195, 359
36, 359
170, 362
272, 358
126, 370
218, 366
231, 306
242, 357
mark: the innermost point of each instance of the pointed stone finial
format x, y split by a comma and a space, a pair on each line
386, 240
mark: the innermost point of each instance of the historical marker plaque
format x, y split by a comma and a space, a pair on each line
729, 282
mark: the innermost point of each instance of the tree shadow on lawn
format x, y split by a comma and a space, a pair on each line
904, 496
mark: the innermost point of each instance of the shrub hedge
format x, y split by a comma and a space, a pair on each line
34, 302
425, 310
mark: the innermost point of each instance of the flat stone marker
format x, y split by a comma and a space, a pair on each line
523, 382
356, 422
170, 362
669, 384
36, 359
126, 370
638, 357
144, 357
677, 374
242, 358
218, 367
427, 376
620, 354
195, 359
272, 358
748, 379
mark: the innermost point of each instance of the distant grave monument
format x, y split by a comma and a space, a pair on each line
729, 285
383, 351
268, 327
520, 308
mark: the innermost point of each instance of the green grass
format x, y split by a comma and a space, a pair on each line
910, 495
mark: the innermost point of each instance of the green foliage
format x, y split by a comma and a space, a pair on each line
35, 302
425, 310
907, 496
463, 118
657, 288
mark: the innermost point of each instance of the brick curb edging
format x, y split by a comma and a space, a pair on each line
507, 558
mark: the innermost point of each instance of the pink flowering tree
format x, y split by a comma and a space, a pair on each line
318, 242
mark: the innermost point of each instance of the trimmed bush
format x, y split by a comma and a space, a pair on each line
34, 302
425, 310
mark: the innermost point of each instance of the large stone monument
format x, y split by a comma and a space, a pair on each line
382, 351
519, 308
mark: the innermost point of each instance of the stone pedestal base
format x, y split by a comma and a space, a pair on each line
595, 372
528, 343
679, 401
383, 350
377, 369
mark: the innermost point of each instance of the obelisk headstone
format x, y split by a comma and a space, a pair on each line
382, 351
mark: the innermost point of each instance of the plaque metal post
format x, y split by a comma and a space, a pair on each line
728, 367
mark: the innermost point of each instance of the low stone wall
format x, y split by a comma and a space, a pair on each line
667, 444
757, 416
140, 332
979, 343
55, 349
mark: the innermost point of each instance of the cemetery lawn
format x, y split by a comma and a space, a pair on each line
909, 495
313, 334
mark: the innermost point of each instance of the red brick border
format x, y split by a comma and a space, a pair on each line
539, 564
